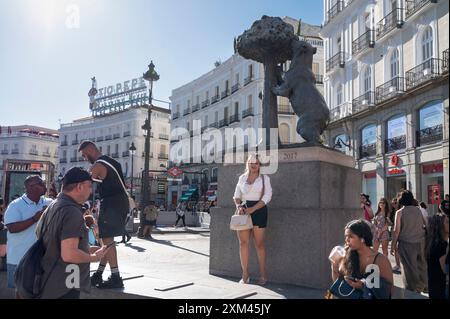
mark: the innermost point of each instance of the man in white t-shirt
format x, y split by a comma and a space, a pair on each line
21, 219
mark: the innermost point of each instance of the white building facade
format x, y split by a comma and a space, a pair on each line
114, 133
229, 96
386, 83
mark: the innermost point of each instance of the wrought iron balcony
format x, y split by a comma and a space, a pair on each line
390, 89
214, 124
195, 108
174, 139
176, 115
75, 142
363, 102
422, 73
340, 111
5, 152
334, 10
63, 160
108, 137
395, 143
337, 60
248, 79
390, 22
125, 153
187, 111
234, 118
115, 155
46, 154
63, 143
33, 152
100, 139
412, 6
205, 103
429, 135
116, 136
368, 150
285, 109
215, 99
126, 133
366, 40
247, 112
445, 60
223, 123
163, 156
234, 88
73, 159
319, 78
224, 94
16, 151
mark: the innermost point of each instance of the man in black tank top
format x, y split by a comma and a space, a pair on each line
114, 208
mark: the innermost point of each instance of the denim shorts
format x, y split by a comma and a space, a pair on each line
11, 269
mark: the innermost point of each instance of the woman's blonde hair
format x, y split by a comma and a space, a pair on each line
251, 159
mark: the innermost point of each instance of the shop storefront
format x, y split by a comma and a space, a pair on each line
396, 181
432, 185
369, 187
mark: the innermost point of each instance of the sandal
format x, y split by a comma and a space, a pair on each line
242, 281
262, 281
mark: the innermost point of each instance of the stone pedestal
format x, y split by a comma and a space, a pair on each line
315, 193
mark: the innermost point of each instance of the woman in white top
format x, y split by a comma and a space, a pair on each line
249, 192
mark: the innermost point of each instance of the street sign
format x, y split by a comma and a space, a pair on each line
175, 171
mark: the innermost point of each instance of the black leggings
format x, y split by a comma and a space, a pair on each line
182, 218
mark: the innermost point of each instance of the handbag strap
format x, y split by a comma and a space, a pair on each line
117, 173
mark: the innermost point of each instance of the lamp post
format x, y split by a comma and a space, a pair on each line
132, 151
150, 76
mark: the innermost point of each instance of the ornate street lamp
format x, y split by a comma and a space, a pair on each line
132, 151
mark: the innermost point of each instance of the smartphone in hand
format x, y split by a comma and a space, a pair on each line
351, 278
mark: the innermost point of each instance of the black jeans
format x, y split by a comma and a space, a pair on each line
182, 218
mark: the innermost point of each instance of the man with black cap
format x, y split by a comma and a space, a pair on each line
67, 258
114, 208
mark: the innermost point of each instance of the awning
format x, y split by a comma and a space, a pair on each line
184, 198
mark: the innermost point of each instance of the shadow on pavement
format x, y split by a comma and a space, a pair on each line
137, 248
169, 243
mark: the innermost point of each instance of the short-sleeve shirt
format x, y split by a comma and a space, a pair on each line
65, 220
252, 192
19, 210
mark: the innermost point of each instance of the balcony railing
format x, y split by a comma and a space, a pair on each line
215, 99
63, 143
33, 152
108, 137
125, 153
176, 115
15, 152
46, 154
368, 150
319, 78
363, 102
63, 160
205, 103
5, 152
285, 109
395, 143
126, 133
445, 60
424, 72
224, 94
74, 159
116, 136
340, 111
175, 139
100, 139
115, 155
187, 111
214, 124
223, 122
336, 60
234, 88
366, 40
248, 79
234, 118
203, 128
412, 6
195, 108
75, 142
390, 89
247, 112
390, 22
429, 135
163, 156
164, 136
334, 10
213, 179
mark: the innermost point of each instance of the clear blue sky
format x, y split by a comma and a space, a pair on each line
45, 67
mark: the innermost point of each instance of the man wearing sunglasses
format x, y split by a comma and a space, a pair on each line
21, 218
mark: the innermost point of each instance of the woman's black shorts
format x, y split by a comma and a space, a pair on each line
259, 217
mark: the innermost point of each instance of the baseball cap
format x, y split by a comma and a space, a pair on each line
76, 175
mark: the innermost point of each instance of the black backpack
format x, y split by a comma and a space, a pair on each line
29, 272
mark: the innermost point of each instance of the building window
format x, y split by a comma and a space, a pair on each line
394, 64
431, 115
369, 135
396, 134
339, 95
250, 101
339, 142
250, 71
284, 133
427, 44
368, 80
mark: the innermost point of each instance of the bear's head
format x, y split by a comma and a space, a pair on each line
302, 53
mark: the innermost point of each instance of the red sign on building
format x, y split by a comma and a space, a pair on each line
396, 171
433, 168
434, 192
175, 171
